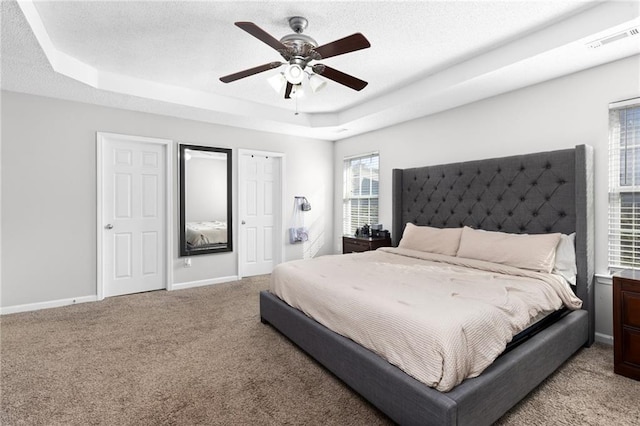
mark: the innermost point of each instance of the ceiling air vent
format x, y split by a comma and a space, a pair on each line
615, 37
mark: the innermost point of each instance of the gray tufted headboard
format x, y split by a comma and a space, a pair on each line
533, 193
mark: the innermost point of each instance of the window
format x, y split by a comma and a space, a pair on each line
624, 184
360, 194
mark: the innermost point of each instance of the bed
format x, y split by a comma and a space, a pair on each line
538, 193
200, 234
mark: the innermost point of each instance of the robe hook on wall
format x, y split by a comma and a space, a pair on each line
305, 205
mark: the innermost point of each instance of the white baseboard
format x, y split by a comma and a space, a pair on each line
604, 338
72, 301
200, 283
45, 305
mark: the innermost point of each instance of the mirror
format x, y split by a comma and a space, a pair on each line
205, 200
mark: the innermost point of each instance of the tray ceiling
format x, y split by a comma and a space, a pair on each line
425, 57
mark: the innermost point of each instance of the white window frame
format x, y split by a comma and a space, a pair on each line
624, 221
347, 215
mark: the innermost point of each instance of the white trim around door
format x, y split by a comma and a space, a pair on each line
168, 145
279, 234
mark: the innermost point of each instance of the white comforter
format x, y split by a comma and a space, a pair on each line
205, 233
440, 319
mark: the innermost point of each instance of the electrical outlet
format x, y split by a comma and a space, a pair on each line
187, 262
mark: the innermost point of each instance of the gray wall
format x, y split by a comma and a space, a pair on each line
49, 191
48, 172
557, 114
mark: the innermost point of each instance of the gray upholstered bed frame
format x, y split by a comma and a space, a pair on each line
534, 193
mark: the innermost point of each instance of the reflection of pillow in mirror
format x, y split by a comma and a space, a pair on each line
566, 258
536, 252
431, 240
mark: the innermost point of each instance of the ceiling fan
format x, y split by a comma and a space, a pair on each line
299, 50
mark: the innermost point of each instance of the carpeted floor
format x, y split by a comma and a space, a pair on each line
201, 356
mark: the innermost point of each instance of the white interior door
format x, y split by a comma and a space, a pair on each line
134, 214
260, 212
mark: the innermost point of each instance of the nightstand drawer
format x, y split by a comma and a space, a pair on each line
357, 245
631, 309
631, 345
626, 324
354, 246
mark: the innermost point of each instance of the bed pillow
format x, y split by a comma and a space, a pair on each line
534, 252
431, 240
566, 258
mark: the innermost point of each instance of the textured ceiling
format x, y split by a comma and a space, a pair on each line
425, 55
192, 44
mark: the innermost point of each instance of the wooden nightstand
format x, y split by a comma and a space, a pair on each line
359, 244
626, 324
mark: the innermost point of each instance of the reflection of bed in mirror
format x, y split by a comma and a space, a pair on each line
201, 234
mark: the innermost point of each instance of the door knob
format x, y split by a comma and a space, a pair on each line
243, 222
108, 226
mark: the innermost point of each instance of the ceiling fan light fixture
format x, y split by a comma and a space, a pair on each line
277, 81
297, 91
316, 82
294, 74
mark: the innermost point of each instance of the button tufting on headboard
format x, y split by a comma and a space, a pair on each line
532, 194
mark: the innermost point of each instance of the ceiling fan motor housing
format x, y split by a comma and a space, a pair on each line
299, 44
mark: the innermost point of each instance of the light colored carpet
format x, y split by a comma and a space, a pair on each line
201, 356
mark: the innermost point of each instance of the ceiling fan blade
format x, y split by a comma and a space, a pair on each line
287, 90
345, 45
339, 77
251, 71
261, 35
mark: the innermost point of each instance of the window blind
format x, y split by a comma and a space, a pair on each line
360, 192
624, 185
